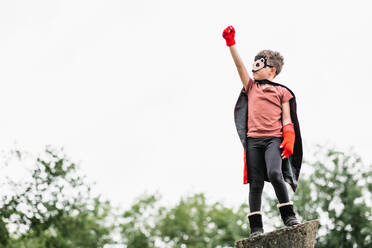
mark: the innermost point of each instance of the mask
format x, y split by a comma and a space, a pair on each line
259, 63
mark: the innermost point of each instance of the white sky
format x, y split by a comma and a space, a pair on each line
142, 93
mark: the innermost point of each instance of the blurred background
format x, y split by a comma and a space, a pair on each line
139, 96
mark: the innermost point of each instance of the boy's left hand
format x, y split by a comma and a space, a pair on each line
288, 140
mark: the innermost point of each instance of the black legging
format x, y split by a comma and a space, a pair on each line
263, 155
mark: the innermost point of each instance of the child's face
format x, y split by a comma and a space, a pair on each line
262, 70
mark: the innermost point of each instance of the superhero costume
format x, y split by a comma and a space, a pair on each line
291, 166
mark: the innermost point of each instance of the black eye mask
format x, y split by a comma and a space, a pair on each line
259, 63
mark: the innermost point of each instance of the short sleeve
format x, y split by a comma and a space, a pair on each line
286, 95
250, 84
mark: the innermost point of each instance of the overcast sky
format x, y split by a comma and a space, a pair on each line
141, 93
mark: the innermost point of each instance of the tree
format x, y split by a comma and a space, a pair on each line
195, 224
338, 191
192, 223
136, 229
53, 207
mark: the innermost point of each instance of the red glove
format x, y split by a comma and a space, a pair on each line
229, 34
288, 139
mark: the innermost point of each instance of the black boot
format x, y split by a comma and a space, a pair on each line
255, 223
287, 214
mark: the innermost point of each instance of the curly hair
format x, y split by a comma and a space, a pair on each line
273, 58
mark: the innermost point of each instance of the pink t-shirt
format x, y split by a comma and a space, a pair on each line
265, 109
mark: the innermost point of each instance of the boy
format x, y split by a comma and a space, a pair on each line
266, 121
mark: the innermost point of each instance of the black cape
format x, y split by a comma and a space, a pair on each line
291, 166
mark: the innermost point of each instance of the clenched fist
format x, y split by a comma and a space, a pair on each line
288, 140
229, 35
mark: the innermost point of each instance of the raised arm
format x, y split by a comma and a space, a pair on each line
242, 70
229, 35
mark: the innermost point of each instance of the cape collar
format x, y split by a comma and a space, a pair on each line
264, 81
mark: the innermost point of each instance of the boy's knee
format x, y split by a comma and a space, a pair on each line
275, 177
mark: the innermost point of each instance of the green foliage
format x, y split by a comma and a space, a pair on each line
196, 224
338, 192
191, 223
53, 208
137, 230
343, 182
4, 234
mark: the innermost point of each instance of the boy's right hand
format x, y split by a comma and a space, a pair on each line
229, 34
